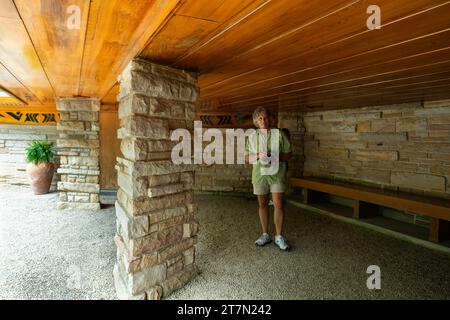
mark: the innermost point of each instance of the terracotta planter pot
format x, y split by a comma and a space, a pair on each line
41, 176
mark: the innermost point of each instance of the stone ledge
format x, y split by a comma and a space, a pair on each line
77, 205
146, 205
133, 187
139, 149
78, 171
78, 143
79, 187
136, 81
70, 126
165, 190
163, 71
138, 104
77, 104
150, 168
143, 127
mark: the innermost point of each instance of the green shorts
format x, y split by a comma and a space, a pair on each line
265, 188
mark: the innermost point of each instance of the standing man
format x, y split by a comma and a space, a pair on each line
268, 151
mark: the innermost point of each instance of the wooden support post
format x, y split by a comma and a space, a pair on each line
363, 209
439, 230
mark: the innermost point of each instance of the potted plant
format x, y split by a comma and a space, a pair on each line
40, 156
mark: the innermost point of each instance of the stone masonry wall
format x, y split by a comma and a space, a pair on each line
156, 212
234, 178
224, 178
13, 141
237, 178
78, 148
294, 123
400, 147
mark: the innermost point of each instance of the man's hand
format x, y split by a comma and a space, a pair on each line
252, 158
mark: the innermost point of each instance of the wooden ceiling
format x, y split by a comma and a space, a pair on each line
282, 54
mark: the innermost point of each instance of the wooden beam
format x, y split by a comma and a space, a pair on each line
111, 96
109, 107
439, 230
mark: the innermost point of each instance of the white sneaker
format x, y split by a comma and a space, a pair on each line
263, 240
280, 242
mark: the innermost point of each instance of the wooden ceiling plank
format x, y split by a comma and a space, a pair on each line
117, 32
436, 61
400, 89
9, 82
261, 27
59, 47
362, 100
333, 44
347, 22
398, 83
433, 76
213, 10
18, 55
335, 96
400, 52
179, 34
418, 89
243, 13
375, 101
356, 99
8, 10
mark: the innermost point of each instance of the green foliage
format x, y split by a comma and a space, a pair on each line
40, 152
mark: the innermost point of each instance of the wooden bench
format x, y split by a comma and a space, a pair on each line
368, 199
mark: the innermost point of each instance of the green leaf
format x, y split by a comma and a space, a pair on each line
40, 152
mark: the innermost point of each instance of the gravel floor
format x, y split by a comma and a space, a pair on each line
50, 254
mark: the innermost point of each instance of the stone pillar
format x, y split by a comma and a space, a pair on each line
78, 148
156, 213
